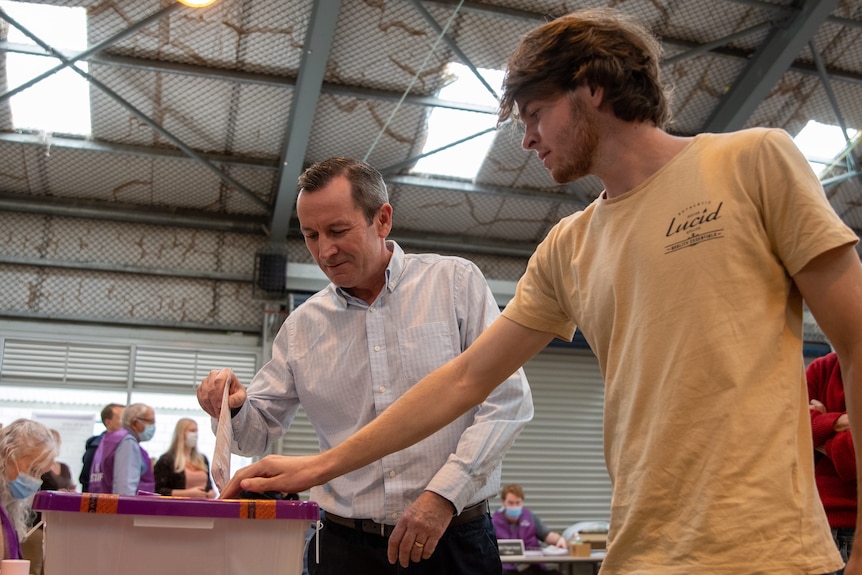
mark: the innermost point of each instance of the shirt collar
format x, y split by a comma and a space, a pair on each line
393, 275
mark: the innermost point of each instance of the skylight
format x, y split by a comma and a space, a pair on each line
61, 102
446, 126
821, 144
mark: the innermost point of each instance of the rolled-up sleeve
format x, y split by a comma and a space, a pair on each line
497, 422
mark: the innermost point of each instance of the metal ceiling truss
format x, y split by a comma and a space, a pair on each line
833, 102
91, 51
786, 40
254, 78
789, 34
70, 63
318, 40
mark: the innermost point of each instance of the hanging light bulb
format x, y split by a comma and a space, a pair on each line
197, 3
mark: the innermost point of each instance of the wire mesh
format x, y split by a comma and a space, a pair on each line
221, 82
120, 272
82, 295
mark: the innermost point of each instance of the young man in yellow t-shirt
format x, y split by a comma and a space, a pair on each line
687, 277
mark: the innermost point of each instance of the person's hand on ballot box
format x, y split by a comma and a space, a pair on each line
286, 474
423, 522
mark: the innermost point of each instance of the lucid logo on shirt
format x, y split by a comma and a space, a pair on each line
693, 225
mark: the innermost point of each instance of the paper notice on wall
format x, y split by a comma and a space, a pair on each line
74, 430
224, 436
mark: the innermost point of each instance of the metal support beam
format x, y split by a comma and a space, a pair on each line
312, 66
833, 101
92, 50
829, 182
138, 113
67, 208
569, 191
116, 268
438, 30
32, 138
395, 168
767, 66
471, 188
717, 43
242, 77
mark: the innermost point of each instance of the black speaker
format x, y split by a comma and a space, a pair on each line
270, 273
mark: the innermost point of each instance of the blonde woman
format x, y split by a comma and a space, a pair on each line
183, 471
27, 450
57, 478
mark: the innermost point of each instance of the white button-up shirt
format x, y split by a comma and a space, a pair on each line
346, 361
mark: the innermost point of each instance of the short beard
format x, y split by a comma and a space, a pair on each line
584, 138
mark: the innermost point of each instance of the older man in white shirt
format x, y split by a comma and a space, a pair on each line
352, 349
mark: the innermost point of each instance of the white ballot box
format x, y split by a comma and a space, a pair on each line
103, 534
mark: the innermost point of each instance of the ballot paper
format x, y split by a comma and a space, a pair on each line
224, 435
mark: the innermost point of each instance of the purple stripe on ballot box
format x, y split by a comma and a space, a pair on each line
175, 506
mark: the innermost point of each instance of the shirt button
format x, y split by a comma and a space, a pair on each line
376, 348
392, 474
382, 389
372, 309
394, 516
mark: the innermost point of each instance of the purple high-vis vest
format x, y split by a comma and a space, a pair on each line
102, 472
524, 529
10, 536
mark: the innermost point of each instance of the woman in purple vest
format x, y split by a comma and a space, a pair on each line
120, 464
27, 450
514, 521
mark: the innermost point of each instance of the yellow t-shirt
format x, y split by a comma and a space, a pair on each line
683, 289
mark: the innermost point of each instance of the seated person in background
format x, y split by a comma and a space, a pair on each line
834, 457
59, 476
27, 450
121, 465
514, 521
183, 471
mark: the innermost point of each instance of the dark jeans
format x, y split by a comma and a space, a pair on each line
468, 549
844, 540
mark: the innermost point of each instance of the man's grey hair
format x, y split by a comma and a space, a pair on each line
132, 412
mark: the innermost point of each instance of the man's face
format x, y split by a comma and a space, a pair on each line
562, 133
141, 423
512, 500
350, 252
113, 424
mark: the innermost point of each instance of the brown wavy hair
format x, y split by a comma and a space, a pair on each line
596, 48
512, 488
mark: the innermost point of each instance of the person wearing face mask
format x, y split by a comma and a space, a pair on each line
183, 471
120, 464
27, 450
514, 521
57, 478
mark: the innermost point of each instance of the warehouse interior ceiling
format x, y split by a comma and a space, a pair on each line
170, 173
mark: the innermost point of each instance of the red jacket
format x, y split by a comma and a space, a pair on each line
835, 471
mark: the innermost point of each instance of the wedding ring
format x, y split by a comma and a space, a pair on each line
417, 544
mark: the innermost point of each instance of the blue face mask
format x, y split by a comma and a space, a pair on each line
24, 486
513, 512
148, 433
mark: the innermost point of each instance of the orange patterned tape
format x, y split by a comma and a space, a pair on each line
99, 503
257, 509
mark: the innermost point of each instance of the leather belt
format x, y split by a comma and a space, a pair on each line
383, 530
